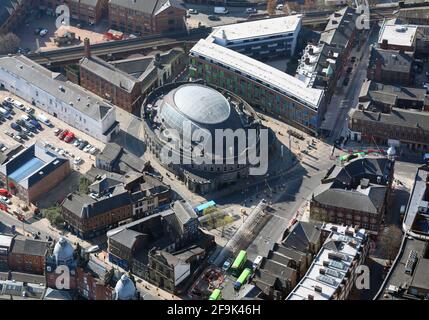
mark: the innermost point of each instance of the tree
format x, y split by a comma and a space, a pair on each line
83, 185
271, 7
9, 43
53, 214
390, 241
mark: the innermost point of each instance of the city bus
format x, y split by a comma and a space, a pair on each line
242, 278
216, 295
239, 262
200, 209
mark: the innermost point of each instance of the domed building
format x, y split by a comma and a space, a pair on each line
182, 121
63, 252
125, 289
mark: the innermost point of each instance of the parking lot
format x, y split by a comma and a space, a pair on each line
29, 40
48, 137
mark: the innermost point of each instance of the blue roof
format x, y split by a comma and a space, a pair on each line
26, 169
206, 205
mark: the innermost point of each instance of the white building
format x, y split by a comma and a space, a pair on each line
332, 273
397, 36
261, 38
55, 95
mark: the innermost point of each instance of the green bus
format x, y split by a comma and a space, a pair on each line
239, 262
243, 278
216, 295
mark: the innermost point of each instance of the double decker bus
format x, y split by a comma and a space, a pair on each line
242, 278
239, 262
216, 295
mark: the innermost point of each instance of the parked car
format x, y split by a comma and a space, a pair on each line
57, 131
193, 11
69, 137
29, 110
43, 32
8, 133
19, 105
93, 150
77, 142
87, 148
92, 249
5, 200
77, 160
29, 126
16, 126
18, 138
27, 132
251, 10
212, 17
226, 265
280, 7
35, 123
63, 134
83, 144
5, 193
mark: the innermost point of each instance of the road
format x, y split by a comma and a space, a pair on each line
347, 98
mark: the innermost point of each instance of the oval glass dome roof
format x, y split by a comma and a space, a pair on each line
202, 104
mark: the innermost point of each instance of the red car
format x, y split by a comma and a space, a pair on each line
5, 193
69, 137
63, 134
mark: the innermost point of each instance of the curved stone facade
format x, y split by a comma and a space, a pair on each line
203, 109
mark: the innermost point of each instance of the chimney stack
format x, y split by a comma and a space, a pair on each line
87, 48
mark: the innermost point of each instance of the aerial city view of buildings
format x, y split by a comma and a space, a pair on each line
214, 150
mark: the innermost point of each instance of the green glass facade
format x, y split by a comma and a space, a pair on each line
257, 94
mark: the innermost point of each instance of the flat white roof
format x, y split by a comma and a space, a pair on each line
257, 70
397, 34
336, 271
258, 28
5, 240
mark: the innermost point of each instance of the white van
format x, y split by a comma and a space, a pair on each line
220, 10
18, 105
257, 262
42, 118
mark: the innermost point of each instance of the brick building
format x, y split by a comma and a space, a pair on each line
33, 172
147, 16
384, 97
113, 198
355, 193
164, 248
390, 66
399, 127
126, 82
28, 255
13, 13
88, 11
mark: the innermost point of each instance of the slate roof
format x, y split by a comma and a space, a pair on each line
147, 6
339, 28
398, 117
301, 235
54, 294
184, 212
83, 100
26, 246
391, 60
85, 207
126, 237
390, 94
109, 73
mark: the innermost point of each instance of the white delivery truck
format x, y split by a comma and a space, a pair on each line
42, 118
220, 10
